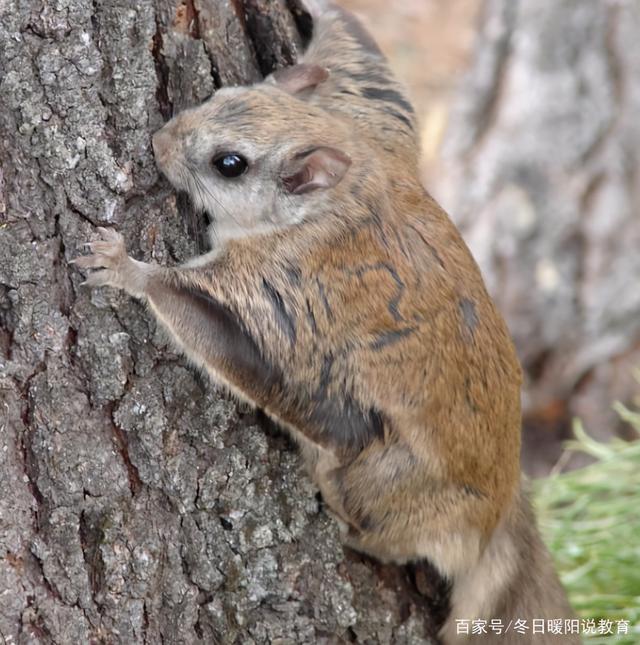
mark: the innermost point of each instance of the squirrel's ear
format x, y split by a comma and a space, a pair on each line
321, 167
299, 77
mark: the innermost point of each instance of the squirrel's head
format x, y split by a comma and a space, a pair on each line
257, 158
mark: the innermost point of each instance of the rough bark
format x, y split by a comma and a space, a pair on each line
541, 169
138, 504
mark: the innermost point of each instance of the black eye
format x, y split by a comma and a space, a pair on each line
230, 164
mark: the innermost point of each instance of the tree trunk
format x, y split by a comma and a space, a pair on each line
138, 504
541, 168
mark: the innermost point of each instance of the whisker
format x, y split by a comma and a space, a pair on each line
194, 219
204, 189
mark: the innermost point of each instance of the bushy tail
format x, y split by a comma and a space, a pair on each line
514, 584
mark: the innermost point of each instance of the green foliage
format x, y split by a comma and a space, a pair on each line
590, 519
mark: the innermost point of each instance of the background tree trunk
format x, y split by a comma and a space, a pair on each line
138, 504
541, 168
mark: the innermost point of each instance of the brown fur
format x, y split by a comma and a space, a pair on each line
355, 316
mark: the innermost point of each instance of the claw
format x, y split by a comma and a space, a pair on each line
105, 248
107, 254
91, 261
100, 278
104, 252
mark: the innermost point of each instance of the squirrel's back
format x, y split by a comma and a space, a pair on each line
361, 84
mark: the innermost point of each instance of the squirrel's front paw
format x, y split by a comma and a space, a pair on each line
109, 255
116, 268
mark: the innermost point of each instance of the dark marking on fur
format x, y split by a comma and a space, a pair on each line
337, 421
229, 344
387, 95
285, 321
371, 75
325, 374
432, 249
323, 297
344, 424
383, 266
229, 348
469, 315
471, 404
374, 221
474, 492
401, 245
400, 117
311, 317
367, 523
293, 275
393, 305
391, 337
377, 423
374, 210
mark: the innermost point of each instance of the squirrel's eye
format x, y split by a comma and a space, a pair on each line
230, 164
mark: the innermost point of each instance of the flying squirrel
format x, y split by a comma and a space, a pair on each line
339, 298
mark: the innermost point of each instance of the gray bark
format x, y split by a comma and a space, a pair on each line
139, 504
541, 170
